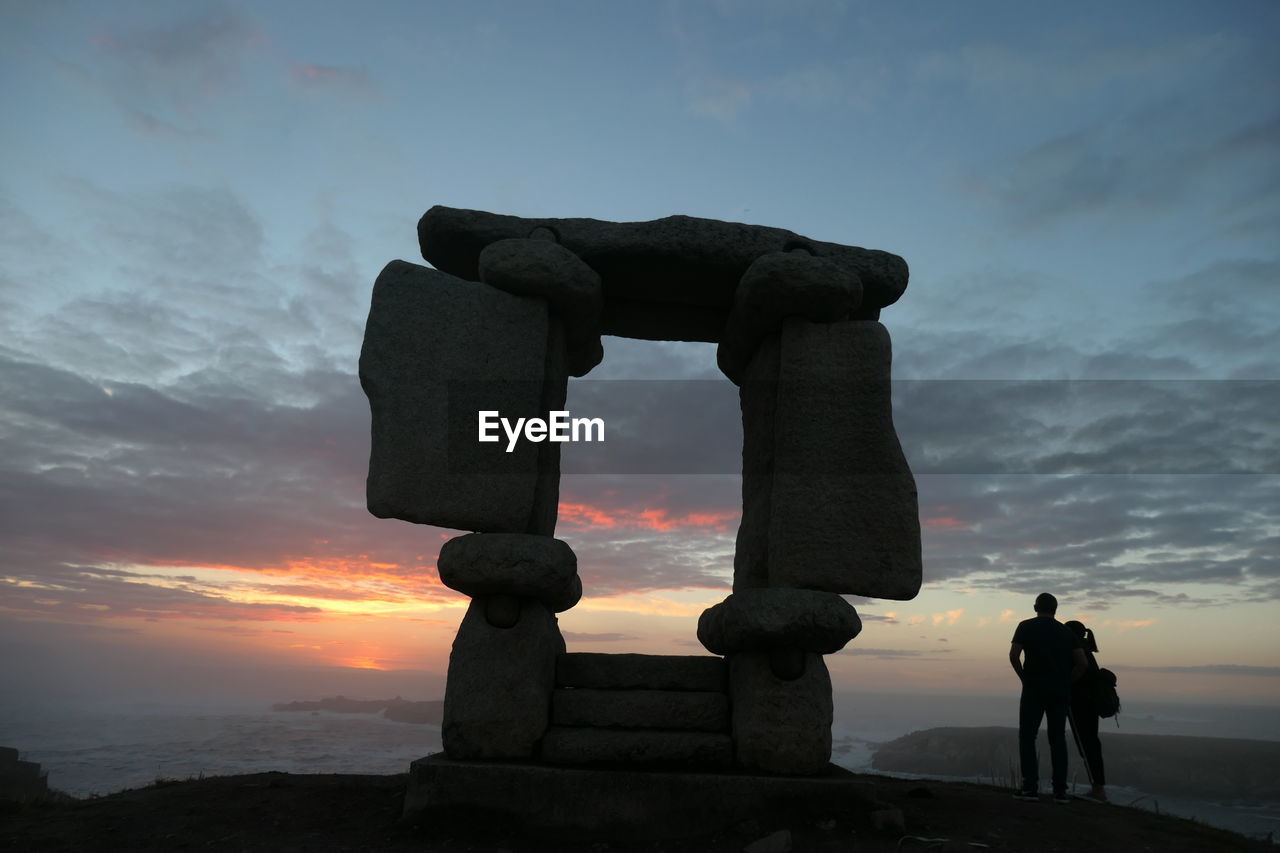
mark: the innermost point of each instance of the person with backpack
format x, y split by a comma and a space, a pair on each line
1054, 659
1086, 693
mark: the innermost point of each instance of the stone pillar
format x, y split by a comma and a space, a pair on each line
843, 510
780, 724
779, 690
497, 700
828, 501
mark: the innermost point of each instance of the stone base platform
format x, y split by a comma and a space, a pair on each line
636, 804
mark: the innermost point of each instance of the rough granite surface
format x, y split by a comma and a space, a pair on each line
436, 351
677, 260
518, 564
497, 698
780, 726
766, 618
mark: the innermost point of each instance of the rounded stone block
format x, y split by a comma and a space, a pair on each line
780, 285
542, 267
512, 564
764, 619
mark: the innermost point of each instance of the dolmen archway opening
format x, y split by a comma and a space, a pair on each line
513, 308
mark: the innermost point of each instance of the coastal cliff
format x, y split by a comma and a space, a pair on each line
1172, 765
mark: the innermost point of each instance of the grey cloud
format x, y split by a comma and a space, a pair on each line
184, 232
658, 427
959, 427
1224, 312
351, 83
230, 438
207, 475
1138, 166
891, 654
579, 636
1099, 538
143, 121
626, 358
613, 561
1216, 321
1234, 288
185, 60
1002, 71
78, 594
203, 302
149, 477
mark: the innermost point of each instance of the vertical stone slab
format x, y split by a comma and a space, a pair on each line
844, 516
757, 396
437, 350
780, 726
497, 699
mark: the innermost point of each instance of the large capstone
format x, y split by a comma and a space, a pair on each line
675, 261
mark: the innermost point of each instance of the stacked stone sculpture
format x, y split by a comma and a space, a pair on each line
513, 308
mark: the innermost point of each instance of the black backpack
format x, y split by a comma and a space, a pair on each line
1105, 698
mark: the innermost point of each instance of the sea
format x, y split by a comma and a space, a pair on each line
94, 751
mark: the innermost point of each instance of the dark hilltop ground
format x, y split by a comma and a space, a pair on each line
288, 812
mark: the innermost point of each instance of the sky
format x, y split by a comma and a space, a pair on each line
195, 199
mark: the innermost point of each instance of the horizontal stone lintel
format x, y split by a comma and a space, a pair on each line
682, 260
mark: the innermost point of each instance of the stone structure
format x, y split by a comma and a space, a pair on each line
513, 307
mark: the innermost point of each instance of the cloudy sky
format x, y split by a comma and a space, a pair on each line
195, 199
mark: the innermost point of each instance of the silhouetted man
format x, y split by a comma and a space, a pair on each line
1054, 659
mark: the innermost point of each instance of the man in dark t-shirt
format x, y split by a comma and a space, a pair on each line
1054, 659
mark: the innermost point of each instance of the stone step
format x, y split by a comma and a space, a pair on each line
699, 711
630, 803
641, 672
571, 745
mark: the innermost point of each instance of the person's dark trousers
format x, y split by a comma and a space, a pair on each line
1084, 722
1039, 703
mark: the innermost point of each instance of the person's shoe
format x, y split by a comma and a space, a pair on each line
1061, 797
1098, 794
1026, 796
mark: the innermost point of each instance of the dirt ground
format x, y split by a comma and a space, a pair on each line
283, 812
